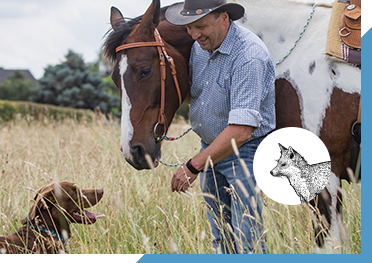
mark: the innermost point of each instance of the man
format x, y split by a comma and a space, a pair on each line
232, 77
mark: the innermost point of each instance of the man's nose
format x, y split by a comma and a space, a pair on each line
193, 33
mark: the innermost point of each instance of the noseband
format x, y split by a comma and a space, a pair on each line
162, 119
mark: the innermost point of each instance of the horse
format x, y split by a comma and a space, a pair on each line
312, 91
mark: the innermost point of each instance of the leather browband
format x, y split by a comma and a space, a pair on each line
139, 44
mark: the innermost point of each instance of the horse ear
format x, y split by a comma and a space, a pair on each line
151, 18
156, 12
44, 194
116, 18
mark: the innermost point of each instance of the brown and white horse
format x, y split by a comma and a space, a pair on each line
312, 91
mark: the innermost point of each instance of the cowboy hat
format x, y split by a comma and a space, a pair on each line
187, 12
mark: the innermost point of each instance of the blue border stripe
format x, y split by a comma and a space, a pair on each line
250, 258
366, 139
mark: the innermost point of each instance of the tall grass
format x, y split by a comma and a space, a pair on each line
142, 214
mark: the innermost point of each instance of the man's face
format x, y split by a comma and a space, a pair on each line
209, 31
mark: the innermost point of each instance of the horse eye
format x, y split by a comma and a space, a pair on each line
144, 72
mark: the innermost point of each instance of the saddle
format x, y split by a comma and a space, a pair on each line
344, 33
350, 24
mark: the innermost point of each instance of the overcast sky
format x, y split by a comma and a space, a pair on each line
37, 33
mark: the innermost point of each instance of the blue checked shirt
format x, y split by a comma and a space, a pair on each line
233, 85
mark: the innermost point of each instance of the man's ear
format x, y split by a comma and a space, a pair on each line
225, 16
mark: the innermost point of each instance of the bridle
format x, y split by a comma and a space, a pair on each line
162, 119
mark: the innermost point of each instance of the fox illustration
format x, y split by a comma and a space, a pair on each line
307, 180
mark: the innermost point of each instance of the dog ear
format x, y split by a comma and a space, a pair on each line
44, 194
282, 148
290, 152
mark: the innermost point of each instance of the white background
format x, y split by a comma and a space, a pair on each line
304, 142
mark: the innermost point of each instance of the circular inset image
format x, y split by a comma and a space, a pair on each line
292, 166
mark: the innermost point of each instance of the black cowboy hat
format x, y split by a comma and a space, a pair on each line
187, 12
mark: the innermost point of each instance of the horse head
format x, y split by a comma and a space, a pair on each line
137, 74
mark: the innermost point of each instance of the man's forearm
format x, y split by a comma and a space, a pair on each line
221, 147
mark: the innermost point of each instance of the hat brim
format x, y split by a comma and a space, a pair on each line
174, 16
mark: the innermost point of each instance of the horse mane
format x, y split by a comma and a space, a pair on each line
114, 38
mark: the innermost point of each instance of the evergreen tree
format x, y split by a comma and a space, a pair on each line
73, 84
15, 87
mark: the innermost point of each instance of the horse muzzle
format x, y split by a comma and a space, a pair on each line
137, 157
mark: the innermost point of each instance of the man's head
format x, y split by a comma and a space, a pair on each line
207, 21
211, 30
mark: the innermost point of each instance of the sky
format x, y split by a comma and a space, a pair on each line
38, 33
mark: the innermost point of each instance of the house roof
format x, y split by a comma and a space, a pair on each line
6, 73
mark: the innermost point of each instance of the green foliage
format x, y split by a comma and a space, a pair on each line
110, 86
9, 110
72, 84
16, 87
184, 111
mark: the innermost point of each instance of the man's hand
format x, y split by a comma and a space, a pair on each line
219, 149
182, 179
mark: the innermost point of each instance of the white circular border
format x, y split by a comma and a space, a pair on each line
268, 152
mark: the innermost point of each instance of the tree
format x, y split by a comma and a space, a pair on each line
15, 87
73, 84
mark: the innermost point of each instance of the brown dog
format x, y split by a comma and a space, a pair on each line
46, 228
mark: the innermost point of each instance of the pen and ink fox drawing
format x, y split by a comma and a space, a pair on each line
307, 180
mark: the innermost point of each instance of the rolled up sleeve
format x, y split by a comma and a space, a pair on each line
247, 91
245, 117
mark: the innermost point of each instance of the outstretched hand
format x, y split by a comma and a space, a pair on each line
182, 179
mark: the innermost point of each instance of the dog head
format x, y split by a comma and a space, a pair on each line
66, 199
288, 163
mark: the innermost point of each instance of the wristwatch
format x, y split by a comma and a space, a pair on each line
192, 167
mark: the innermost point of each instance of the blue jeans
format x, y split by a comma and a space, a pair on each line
235, 212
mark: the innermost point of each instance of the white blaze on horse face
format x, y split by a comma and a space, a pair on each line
126, 124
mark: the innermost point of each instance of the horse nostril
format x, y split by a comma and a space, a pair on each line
121, 148
138, 153
99, 191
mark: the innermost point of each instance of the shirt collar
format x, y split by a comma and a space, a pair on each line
228, 42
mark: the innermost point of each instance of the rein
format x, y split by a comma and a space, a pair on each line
300, 36
163, 55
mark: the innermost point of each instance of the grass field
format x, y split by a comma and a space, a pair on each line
142, 214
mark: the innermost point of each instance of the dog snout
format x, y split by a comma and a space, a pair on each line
274, 172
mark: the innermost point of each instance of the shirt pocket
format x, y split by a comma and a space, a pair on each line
219, 103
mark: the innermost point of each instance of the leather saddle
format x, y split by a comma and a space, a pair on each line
350, 24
